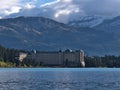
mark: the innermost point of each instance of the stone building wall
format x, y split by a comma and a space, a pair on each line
58, 58
46, 58
22, 56
82, 58
71, 59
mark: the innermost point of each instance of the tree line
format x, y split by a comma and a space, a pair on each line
11, 56
103, 61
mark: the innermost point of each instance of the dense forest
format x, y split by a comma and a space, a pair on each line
9, 58
102, 61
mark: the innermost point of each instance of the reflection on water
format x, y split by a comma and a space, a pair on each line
59, 79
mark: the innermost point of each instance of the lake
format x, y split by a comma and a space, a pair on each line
59, 79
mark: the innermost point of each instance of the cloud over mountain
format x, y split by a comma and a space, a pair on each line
8, 7
60, 10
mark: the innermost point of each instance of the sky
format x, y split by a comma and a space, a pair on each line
59, 10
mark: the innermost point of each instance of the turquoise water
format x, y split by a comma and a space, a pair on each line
59, 79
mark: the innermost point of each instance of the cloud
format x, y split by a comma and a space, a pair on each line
105, 8
64, 10
30, 4
8, 7
0, 17
50, 3
14, 6
14, 9
60, 10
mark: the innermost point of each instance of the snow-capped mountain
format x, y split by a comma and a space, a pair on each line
86, 21
110, 25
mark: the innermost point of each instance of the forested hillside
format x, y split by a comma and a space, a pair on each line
9, 58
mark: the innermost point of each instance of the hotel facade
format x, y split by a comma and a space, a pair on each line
67, 58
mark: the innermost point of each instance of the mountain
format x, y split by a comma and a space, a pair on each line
110, 25
45, 34
86, 21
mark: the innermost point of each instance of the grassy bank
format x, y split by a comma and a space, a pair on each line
6, 64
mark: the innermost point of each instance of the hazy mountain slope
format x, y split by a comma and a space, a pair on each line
45, 34
110, 25
86, 21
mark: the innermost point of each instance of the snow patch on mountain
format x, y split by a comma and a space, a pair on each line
86, 21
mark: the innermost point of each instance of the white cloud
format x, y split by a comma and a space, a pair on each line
50, 3
14, 9
29, 6
8, 7
62, 12
6, 4
66, 11
62, 9
0, 17
59, 10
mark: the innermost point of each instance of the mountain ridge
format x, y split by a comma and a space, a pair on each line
87, 21
45, 34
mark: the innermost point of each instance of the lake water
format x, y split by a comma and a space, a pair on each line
59, 79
